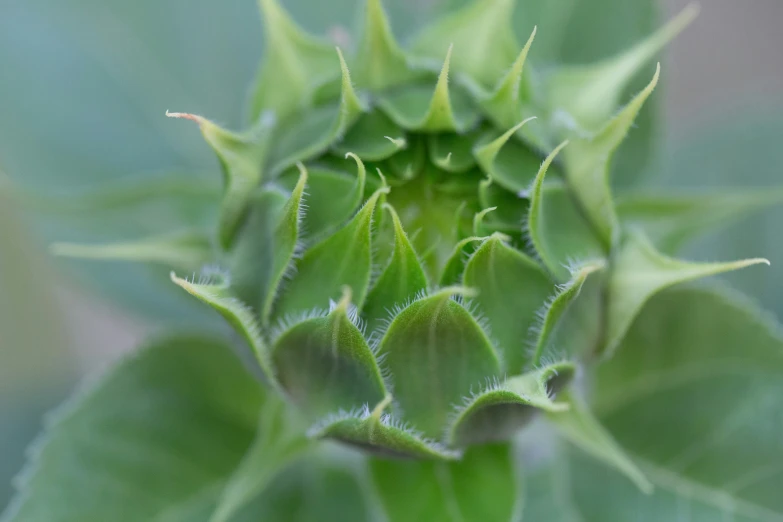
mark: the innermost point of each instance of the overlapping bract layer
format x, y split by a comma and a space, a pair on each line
419, 345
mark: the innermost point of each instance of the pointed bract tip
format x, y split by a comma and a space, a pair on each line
444, 71
521, 124
560, 147
486, 211
343, 65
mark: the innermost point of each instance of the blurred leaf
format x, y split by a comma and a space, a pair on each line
579, 425
35, 353
319, 488
157, 436
707, 366
482, 486
279, 440
674, 220
738, 147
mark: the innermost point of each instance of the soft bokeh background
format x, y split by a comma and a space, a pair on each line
84, 85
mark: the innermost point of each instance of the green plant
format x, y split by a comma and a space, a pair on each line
525, 292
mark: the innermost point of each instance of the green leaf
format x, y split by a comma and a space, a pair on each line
324, 363
482, 486
332, 198
588, 95
555, 309
342, 259
436, 352
507, 162
279, 440
497, 413
673, 220
639, 272
511, 288
455, 264
218, 295
445, 109
482, 34
708, 366
294, 65
266, 248
380, 434
380, 62
241, 156
374, 137
312, 132
557, 229
401, 280
174, 419
187, 251
587, 166
578, 425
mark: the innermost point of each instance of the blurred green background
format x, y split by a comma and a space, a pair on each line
84, 85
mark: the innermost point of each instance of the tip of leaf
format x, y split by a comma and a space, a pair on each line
380, 407
757, 261
450, 291
345, 301
186, 116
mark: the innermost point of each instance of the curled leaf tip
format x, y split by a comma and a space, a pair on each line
186, 116
757, 261
384, 183
401, 143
